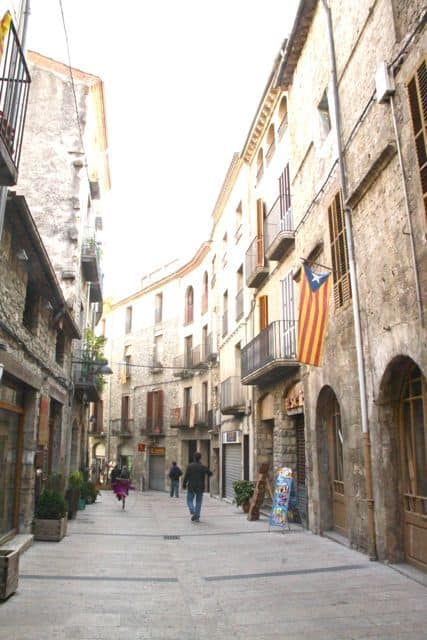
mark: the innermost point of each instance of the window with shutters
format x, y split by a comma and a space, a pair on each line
205, 294
283, 116
187, 404
285, 201
271, 143
155, 411
189, 305
224, 314
128, 320
260, 255
60, 347
263, 312
188, 351
125, 413
417, 89
338, 238
239, 296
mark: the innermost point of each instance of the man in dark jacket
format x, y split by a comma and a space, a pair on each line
194, 481
174, 474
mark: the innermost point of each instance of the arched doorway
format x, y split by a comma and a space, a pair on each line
401, 455
333, 500
413, 456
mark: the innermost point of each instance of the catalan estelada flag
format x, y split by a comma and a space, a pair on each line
4, 29
313, 315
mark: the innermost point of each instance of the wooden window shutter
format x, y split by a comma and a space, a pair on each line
159, 421
263, 312
339, 252
260, 232
284, 192
149, 409
417, 90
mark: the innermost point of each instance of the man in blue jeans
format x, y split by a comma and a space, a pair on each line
174, 475
194, 482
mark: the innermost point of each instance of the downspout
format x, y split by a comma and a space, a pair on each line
372, 551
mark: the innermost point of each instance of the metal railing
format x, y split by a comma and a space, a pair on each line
278, 219
200, 414
209, 347
14, 88
86, 368
275, 342
122, 427
232, 395
255, 257
90, 247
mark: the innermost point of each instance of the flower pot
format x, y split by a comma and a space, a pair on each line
72, 497
53, 530
245, 506
82, 504
9, 572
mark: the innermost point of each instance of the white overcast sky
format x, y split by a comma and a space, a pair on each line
183, 79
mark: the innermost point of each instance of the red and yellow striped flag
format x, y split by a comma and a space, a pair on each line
313, 315
4, 30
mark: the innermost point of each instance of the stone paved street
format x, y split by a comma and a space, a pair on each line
116, 575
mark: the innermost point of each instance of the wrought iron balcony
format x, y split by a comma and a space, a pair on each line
200, 415
183, 366
152, 426
279, 231
232, 396
271, 354
91, 262
256, 267
199, 358
87, 375
14, 88
122, 428
209, 348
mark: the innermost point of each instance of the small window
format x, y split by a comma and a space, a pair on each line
239, 295
128, 321
325, 118
187, 404
158, 351
271, 143
225, 314
205, 292
283, 116
158, 309
189, 306
30, 316
338, 238
188, 352
60, 347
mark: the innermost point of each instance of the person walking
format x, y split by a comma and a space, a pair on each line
174, 475
194, 482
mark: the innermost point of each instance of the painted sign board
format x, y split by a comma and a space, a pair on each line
282, 497
157, 451
141, 446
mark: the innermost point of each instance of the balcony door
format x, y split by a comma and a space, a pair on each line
285, 200
288, 306
336, 468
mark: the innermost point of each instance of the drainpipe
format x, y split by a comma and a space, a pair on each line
372, 551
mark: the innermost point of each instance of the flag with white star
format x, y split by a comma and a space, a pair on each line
313, 315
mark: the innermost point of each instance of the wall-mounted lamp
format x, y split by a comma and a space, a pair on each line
22, 255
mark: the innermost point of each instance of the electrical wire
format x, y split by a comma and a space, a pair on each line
73, 88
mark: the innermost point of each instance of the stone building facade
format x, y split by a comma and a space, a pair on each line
65, 176
332, 175
36, 335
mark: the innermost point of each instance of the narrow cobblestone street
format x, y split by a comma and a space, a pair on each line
118, 575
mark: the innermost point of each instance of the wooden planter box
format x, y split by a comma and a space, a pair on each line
53, 530
72, 497
9, 571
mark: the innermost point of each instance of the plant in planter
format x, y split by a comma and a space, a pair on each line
72, 496
90, 492
243, 491
50, 522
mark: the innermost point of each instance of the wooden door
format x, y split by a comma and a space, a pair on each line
336, 470
413, 445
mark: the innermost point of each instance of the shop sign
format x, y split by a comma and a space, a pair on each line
141, 446
157, 451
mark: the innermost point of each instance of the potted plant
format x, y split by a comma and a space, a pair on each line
50, 522
72, 496
243, 491
90, 492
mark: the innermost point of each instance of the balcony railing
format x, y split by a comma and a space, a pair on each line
199, 358
256, 267
91, 263
14, 87
279, 231
86, 376
209, 348
271, 354
200, 415
182, 417
183, 365
232, 396
122, 428
151, 425
239, 305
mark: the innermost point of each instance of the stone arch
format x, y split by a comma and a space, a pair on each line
386, 460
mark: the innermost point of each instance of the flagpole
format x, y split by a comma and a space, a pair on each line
355, 296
